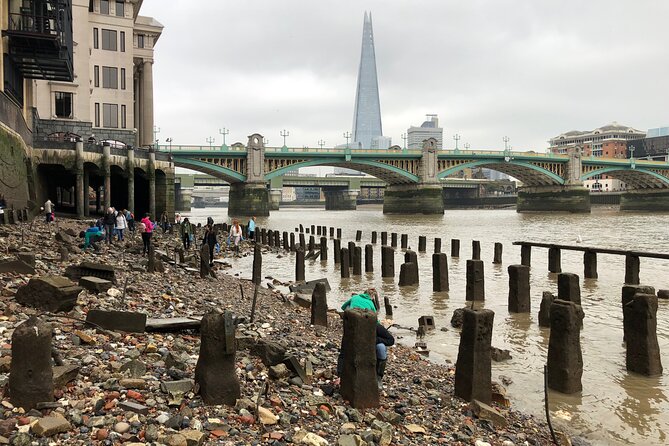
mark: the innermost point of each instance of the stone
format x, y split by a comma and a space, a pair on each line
415, 429
643, 351
475, 288
63, 374
266, 417
194, 437
121, 427
486, 412
350, 440
26, 257
499, 355
565, 361
458, 317
31, 373
176, 440
519, 289
319, 306
473, 366
309, 439
309, 286
386, 430
94, 284
569, 288
269, 352
545, 309
279, 371
135, 368
358, 379
118, 320
131, 406
66, 238
51, 425
49, 293
16, 266
76, 272
663, 294
215, 370
439, 271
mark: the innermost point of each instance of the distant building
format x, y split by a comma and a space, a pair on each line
608, 141
288, 194
428, 129
655, 146
381, 142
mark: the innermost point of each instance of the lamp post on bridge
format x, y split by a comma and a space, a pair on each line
156, 130
467, 146
506, 143
347, 135
321, 143
284, 133
404, 138
224, 132
169, 141
210, 140
456, 137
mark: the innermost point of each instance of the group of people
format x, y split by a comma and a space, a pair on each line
116, 223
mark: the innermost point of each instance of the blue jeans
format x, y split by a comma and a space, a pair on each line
120, 234
381, 352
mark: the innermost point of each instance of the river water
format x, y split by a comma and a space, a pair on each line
615, 407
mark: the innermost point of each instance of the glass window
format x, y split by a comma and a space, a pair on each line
96, 75
110, 77
140, 40
63, 104
123, 122
104, 6
97, 114
122, 78
110, 115
109, 39
95, 38
119, 9
122, 41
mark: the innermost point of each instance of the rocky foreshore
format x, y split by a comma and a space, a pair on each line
114, 387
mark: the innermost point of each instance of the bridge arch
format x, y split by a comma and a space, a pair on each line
229, 175
385, 172
637, 178
528, 173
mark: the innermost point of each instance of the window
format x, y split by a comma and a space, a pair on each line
119, 8
109, 39
90, 6
97, 114
122, 78
96, 75
104, 6
110, 77
122, 41
95, 38
110, 115
63, 104
123, 116
140, 40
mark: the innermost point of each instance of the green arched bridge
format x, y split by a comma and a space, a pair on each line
550, 182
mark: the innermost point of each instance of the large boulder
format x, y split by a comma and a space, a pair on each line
49, 293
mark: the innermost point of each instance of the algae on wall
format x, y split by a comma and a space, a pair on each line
14, 165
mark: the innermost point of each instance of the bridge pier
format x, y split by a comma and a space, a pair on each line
274, 199
413, 199
645, 200
574, 199
248, 200
340, 199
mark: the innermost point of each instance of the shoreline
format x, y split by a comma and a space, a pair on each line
416, 391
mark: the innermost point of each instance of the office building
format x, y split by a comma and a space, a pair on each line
428, 129
608, 141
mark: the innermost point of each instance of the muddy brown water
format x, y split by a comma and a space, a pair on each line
615, 407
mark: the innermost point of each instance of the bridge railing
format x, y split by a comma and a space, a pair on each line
182, 148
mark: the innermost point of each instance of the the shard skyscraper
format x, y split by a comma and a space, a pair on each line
367, 114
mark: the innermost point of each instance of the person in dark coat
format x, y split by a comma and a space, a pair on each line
210, 239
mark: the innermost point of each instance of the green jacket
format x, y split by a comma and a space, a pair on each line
186, 229
362, 300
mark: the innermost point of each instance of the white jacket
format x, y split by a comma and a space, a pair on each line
121, 223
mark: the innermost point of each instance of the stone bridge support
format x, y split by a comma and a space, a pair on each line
570, 197
424, 197
656, 200
252, 197
338, 199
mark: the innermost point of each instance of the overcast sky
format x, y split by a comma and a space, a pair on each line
529, 69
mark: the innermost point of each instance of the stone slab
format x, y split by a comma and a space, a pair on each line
118, 320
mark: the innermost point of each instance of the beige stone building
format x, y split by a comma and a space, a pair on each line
111, 95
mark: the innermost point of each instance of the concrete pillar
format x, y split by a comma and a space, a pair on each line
439, 272
404, 241
473, 376
30, 370
345, 264
146, 132
422, 243
79, 172
393, 239
319, 305
526, 255
357, 261
565, 362
324, 248
384, 238
151, 174
130, 167
475, 289
628, 293
632, 266
387, 261
106, 163
519, 289
590, 264
455, 247
374, 236
369, 258
413, 199
274, 199
358, 379
497, 255
574, 199
337, 251
554, 260
437, 245
340, 199
476, 250
215, 370
547, 300
248, 199
569, 288
299, 264
643, 350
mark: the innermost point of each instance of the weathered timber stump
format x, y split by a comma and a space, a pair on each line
387, 261
475, 289
473, 369
519, 289
319, 305
358, 380
643, 351
439, 272
565, 361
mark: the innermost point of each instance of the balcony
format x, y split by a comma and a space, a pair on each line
40, 39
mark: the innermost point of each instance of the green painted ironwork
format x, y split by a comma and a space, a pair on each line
228, 174
632, 168
482, 163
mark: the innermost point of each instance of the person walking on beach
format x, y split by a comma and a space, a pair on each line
252, 229
210, 239
146, 229
164, 222
109, 221
236, 235
130, 219
186, 231
121, 225
48, 211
